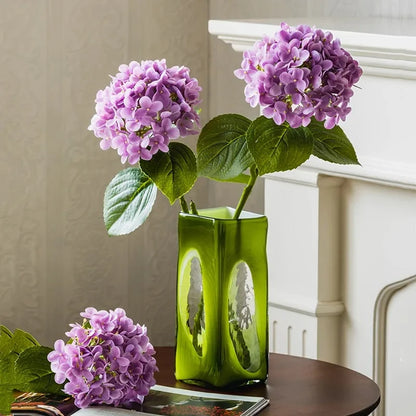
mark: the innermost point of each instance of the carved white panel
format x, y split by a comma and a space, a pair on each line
291, 333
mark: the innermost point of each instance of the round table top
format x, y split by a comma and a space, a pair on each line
296, 386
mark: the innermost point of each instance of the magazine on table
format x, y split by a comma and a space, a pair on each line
36, 404
161, 400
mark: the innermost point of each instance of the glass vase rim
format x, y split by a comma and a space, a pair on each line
207, 213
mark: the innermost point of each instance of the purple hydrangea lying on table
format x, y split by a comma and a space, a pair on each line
145, 106
108, 360
300, 73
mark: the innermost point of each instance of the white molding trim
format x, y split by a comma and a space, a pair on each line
309, 307
305, 176
378, 171
379, 336
380, 53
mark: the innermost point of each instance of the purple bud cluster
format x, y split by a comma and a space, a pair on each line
299, 73
145, 106
108, 360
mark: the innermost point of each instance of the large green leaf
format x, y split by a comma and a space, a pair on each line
222, 152
15, 348
128, 201
331, 145
278, 147
16, 341
11, 345
174, 172
33, 371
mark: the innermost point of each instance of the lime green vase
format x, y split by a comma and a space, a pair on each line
222, 320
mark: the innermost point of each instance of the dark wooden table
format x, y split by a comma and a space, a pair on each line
296, 386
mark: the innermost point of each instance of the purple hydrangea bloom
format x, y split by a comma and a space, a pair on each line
145, 106
299, 73
108, 360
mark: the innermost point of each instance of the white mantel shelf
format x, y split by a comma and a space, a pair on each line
386, 50
384, 47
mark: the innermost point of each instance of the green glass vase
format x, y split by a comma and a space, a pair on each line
222, 320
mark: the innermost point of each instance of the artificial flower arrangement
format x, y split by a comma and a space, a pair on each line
302, 80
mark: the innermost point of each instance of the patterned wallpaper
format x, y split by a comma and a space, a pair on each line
55, 255
22, 164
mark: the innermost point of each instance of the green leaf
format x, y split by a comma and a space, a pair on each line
33, 371
332, 145
278, 148
174, 172
11, 345
6, 399
5, 332
222, 152
128, 201
7, 375
6, 344
14, 345
243, 178
23, 340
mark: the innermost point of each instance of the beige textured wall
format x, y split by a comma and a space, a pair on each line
55, 256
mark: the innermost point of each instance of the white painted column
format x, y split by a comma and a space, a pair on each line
303, 213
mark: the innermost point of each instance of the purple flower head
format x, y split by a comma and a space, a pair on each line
108, 359
142, 100
299, 73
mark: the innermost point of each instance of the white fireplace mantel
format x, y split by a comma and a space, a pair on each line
385, 47
341, 236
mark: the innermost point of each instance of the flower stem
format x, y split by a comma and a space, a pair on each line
193, 208
247, 191
184, 205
